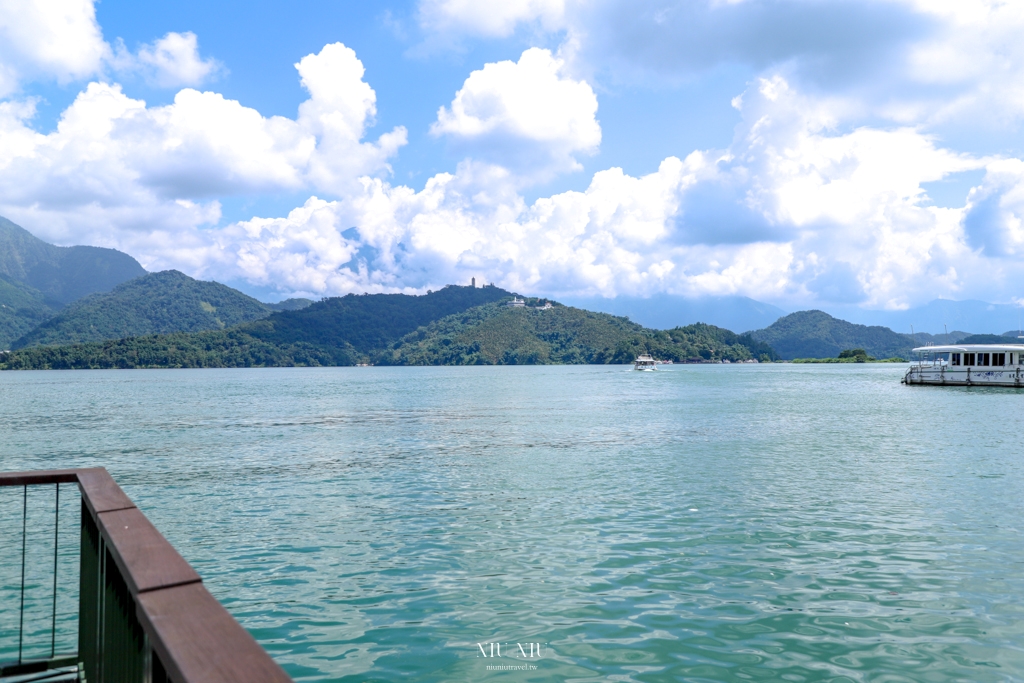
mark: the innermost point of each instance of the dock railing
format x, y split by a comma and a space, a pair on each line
143, 614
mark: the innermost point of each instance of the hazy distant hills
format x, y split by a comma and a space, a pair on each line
37, 279
156, 303
665, 311
61, 274
289, 305
1007, 338
816, 334
980, 317
62, 295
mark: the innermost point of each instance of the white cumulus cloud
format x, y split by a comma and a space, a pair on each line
59, 39
173, 61
115, 169
952, 64
821, 197
795, 210
526, 115
994, 218
489, 19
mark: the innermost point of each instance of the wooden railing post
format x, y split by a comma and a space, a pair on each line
144, 614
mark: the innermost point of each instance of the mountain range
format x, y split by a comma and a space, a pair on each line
60, 275
37, 279
53, 295
91, 307
937, 317
452, 326
156, 303
665, 311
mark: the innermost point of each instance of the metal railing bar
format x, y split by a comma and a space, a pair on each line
24, 529
62, 674
38, 665
34, 477
56, 539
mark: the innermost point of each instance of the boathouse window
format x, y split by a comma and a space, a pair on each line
983, 359
968, 359
954, 359
998, 359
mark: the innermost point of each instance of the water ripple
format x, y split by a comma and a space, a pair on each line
701, 524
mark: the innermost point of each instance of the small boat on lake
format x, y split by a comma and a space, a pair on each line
645, 362
988, 365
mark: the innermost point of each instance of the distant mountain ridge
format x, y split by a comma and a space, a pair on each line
156, 303
980, 317
64, 295
37, 278
61, 274
667, 311
290, 305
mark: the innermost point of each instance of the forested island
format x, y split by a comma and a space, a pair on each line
852, 356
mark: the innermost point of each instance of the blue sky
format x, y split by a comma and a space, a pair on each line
800, 152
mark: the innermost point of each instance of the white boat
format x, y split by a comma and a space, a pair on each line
645, 362
988, 365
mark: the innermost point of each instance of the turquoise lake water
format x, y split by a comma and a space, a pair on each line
700, 523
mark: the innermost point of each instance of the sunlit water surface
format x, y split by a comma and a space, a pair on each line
718, 523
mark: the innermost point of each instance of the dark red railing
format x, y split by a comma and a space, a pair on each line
144, 614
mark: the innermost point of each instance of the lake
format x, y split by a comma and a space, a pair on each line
699, 523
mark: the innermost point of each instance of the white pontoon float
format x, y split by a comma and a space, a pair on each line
990, 365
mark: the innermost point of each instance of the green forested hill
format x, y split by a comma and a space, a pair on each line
336, 331
368, 321
1005, 338
497, 334
456, 325
156, 303
215, 349
816, 334
21, 309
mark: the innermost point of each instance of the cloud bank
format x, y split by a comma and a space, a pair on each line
60, 40
819, 198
